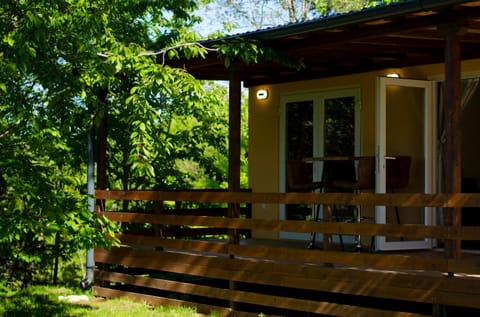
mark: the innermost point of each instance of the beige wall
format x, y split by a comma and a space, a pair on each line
264, 124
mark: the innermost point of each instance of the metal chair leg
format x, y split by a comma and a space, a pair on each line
316, 217
337, 219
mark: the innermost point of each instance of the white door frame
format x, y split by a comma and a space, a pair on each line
284, 99
429, 137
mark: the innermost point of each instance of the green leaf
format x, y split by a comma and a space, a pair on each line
9, 40
52, 228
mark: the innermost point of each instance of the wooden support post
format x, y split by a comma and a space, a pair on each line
234, 117
452, 116
234, 147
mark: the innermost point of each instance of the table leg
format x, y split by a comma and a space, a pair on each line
327, 238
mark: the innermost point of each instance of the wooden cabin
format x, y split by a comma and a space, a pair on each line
392, 84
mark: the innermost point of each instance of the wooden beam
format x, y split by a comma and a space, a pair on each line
235, 100
234, 124
351, 199
452, 125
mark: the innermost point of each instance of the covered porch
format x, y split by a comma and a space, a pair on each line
228, 261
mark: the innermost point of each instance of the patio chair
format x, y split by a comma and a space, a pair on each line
364, 180
299, 180
338, 171
299, 177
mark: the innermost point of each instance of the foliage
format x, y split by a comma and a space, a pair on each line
342, 6
239, 49
248, 52
63, 66
175, 141
40, 193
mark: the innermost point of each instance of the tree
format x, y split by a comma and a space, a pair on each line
243, 15
63, 66
342, 6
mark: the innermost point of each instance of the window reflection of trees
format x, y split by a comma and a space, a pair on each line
299, 130
340, 126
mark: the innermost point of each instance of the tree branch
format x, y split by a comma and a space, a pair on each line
164, 51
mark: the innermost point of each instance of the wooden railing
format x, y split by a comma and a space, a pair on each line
276, 278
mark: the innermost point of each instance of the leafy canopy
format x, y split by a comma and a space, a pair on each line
64, 64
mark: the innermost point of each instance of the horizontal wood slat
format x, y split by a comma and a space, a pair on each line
317, 306
180, 244
469, 266
362, 199
366, 229
303, 255
381, 284
219, 212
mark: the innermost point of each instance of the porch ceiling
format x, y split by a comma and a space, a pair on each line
395, 36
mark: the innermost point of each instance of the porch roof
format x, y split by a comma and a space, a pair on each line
395, 36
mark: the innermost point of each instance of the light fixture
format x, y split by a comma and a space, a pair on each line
262, 94
393, 75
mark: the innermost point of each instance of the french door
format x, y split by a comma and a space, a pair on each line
313, 124
405, 127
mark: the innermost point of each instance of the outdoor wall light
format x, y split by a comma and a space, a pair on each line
393, 75
262, 94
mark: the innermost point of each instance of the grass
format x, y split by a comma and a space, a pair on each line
40, 301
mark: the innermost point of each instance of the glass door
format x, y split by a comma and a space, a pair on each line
405, 129
315, 124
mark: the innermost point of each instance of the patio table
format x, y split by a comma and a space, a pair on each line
343, 177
